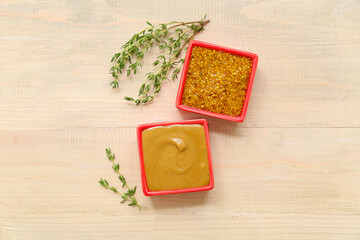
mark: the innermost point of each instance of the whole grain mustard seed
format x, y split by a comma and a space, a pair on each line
216, 81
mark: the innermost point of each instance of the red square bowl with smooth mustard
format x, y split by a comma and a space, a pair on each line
175, 157
216, 81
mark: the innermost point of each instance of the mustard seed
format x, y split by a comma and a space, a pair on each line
216, 81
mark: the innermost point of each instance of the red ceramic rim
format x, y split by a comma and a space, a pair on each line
145, 188
194, 43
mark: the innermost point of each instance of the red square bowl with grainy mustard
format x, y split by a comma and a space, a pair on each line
216, 81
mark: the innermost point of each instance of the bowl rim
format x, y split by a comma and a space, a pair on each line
145, 188
180, 92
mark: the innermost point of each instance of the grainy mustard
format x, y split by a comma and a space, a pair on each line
216, 81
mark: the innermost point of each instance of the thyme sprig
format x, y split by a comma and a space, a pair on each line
172, 39
129, 195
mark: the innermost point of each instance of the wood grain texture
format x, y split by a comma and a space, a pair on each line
290, 171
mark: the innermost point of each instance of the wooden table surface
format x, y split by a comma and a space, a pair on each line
291, 170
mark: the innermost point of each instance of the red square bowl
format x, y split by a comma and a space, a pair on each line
194, 43
145, 188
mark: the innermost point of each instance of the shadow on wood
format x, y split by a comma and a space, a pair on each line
179, 200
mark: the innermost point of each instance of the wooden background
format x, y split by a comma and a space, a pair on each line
290, 171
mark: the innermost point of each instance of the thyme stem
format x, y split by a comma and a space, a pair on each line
127, 196
173, 37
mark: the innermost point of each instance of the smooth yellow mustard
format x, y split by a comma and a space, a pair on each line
175, 157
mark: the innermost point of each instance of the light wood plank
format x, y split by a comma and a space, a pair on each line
290, 171
283, 186
55, 62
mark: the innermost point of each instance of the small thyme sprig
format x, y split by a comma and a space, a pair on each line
127, 196
172, 38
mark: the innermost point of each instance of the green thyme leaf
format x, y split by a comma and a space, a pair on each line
172, 39
129, 195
